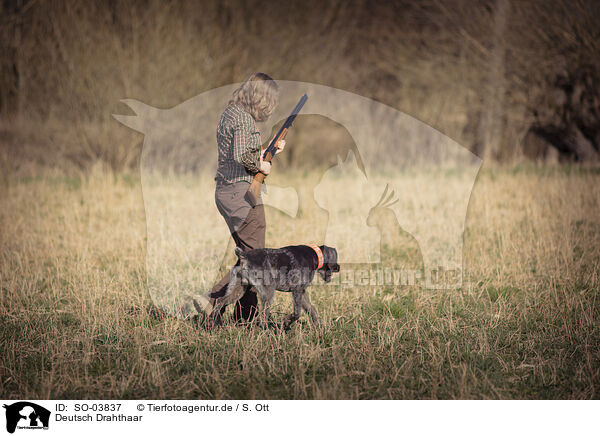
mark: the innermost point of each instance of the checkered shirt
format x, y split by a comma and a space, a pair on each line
238, 145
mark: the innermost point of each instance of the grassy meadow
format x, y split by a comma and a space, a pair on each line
75, 319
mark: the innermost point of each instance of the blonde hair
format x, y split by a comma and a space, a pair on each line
258, 95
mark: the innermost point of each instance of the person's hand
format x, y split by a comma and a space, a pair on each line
280, 146
265, 167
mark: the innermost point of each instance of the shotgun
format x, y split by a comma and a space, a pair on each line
254, 189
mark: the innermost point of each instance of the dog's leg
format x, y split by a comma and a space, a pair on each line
297, 295
310, 309
266, 298
235, 290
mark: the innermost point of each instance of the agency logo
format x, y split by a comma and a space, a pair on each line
26, 415
394, 206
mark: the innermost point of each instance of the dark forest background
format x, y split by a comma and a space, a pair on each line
510, 80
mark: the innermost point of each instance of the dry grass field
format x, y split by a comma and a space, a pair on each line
74, 318
82, 247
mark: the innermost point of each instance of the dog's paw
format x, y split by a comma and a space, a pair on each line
267, 325
214, 322
288, 321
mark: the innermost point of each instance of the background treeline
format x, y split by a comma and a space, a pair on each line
505, 78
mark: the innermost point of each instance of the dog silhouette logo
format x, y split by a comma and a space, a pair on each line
26, 415
431, 176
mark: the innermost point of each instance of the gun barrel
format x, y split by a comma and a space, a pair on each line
286, 125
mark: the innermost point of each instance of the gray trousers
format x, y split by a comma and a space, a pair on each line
247, 226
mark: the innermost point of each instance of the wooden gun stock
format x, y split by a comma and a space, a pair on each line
254, 189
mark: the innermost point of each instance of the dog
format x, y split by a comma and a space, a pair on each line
287, 269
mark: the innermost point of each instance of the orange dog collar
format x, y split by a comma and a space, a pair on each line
319, 253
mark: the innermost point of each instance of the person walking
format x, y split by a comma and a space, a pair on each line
239, 159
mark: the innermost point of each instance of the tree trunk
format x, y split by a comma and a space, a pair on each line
491, 123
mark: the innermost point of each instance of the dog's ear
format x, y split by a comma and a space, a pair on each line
335, 256
330, 254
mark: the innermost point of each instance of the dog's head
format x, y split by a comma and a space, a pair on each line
330, 264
